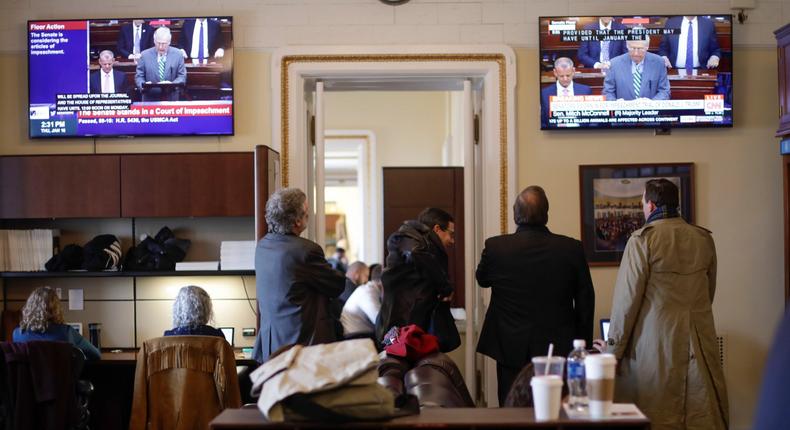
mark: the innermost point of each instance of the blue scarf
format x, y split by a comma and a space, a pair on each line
662, 212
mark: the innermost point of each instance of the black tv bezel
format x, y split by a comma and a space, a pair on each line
130, 136
659, 130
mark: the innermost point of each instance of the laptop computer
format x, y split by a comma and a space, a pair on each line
605, 328
228, 332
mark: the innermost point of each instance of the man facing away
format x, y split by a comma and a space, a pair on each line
637, 74
160, 64
415, 276
293, 280
662, 330
541, 291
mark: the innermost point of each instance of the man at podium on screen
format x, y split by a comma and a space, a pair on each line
637, 74
107, 79
161, 73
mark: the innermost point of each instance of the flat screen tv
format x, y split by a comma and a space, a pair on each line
130, 77
647, 71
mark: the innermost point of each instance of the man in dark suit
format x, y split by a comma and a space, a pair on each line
563, 72
211, 38
161, 64
108, 80
541, 291
294, 282
598, 53
134, 38
637, 75
695, 46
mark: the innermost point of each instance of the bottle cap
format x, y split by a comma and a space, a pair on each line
579, 343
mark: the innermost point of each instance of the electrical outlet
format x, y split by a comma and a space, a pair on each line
59, 293
248, 332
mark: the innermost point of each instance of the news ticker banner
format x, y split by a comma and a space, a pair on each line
575, 111
567, 31
115, 114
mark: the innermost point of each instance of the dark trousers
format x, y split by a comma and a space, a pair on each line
504, 378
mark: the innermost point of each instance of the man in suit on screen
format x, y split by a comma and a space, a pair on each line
637, 75
598, 54
134, 38
161, 64
563, 72
107, 79
201, 39
695, 46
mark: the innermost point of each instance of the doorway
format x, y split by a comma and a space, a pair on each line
299, 77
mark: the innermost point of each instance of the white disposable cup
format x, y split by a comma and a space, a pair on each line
556, 365
599, 370
546, 396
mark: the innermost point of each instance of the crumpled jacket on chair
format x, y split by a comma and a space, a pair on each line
183, 382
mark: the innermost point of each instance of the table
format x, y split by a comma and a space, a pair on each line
454, 418
682, 86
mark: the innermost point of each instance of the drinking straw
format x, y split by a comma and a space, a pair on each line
548, 360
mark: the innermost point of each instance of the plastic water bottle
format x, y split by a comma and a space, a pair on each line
576, 379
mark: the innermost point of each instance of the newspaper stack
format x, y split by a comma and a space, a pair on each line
237, 255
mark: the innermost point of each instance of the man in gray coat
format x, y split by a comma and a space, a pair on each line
161, 64
293, 280
636, 74
662, 330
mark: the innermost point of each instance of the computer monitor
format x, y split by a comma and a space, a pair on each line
228, 332
605, 328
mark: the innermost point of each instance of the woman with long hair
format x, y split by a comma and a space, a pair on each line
42, 319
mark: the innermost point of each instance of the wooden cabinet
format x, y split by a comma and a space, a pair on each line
783, 52
60, 186
177, 185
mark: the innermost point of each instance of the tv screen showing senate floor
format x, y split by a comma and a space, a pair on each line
130, 77
636, 71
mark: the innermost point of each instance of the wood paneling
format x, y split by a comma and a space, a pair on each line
60, 186
194, 184
409, 190
267, 168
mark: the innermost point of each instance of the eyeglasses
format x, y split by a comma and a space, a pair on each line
636, 49
452, 232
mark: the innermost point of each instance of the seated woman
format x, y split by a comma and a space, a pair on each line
42, 319
191, 313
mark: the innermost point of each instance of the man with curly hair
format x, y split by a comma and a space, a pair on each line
294, 282
42, 319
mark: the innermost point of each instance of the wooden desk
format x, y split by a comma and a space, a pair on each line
455, 418
682, 87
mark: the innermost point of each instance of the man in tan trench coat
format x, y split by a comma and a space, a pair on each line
662, 330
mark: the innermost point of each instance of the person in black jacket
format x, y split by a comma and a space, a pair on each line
294, 282
415, 275
541, 291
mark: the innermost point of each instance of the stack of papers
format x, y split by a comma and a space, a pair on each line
197, 265
237, 255
620, 411
25, 250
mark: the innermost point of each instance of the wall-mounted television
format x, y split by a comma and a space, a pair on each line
130, 77
648, 71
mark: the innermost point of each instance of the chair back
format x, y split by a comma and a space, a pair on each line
183, 382
38, 381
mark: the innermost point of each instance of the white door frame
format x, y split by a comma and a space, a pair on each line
494, 64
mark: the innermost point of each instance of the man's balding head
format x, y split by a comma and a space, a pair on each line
358, 272
531, 207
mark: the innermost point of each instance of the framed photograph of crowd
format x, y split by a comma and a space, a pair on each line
611, 204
